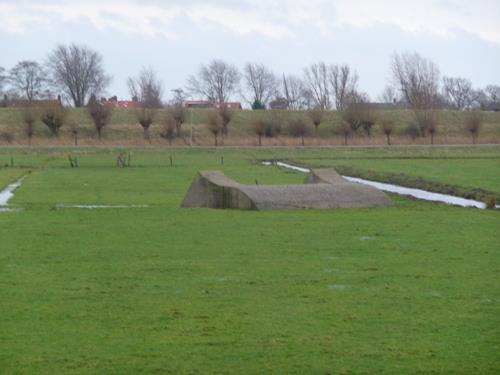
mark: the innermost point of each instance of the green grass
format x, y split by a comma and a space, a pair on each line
409, 289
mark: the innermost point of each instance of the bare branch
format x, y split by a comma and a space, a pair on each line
261, 82
78, 72
216, 81
146, 88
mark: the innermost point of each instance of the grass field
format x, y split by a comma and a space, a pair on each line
409, 289
124, 129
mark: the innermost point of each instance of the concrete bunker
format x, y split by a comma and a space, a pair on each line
323, 189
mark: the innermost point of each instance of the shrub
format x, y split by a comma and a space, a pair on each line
427, 121
100, 115
298, 128
29, 120
412, 131
226, 115
7, 137
258, 105
345, 130
473, 123
316, 116
169, 128
387, 126
179, 113
53, 116
490, 202
145, 116
215, 125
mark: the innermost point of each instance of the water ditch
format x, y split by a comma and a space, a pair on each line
7, 194
400, 190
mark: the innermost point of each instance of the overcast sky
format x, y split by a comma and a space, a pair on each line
175, 37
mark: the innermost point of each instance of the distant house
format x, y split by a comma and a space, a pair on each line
20, 103
197, 104
113, 102
204, 104
279, 103
494, 107
230, 105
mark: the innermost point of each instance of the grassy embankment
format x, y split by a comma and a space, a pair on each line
407, 289
124, 129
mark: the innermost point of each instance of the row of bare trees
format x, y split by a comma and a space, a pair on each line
361, 118
78, 73
356, 119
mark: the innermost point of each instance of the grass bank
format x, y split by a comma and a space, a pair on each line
124, 129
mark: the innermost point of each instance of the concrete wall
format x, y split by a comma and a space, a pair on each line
323, 189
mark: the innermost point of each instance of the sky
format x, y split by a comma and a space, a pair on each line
174, 37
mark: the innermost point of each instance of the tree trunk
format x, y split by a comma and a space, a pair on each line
388, 139
345, 139
146, 133
260, 140
432, 138
215, 140
76, 139
302, 140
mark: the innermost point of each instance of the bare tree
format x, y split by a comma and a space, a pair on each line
3, 79
293, 91
261, 82
54, 116
100, 115
473, 122
28, 79
493, 93
179, 96
145, 116
388, 95
78, 72
417, 79
147, 88
298, 128
343, 83
459, 92
215, 125
216, 81
316, 84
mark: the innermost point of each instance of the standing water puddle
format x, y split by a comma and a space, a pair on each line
7, 194
98, 206
401, 190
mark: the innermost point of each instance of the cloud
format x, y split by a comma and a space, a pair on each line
269, 18
147, 19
